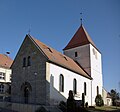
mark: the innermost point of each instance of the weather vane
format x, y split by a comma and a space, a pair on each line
29, 30
81, 18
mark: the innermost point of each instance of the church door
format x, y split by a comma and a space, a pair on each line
26, 94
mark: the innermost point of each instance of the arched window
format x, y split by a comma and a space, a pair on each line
97, 90
85, 88
61, 84
75, 86
29, 61
24, 62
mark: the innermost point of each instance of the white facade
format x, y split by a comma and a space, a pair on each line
5, 79
96, 72
56, 96
7, 72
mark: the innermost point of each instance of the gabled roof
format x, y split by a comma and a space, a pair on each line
108, 95
58, 58
5, 61
80, 38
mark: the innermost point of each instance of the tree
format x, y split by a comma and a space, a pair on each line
115, 96
99, 100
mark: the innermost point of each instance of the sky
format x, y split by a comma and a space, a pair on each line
54, 22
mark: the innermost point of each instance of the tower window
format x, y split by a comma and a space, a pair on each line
95, 53
75, 86
76, 54
61, 85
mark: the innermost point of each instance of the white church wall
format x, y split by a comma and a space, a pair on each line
56, 96
96, 72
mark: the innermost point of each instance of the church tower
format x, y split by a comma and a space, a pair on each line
82, 49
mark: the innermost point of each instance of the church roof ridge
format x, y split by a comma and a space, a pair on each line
81, 37
58, 58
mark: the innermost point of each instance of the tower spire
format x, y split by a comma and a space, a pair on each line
81, 18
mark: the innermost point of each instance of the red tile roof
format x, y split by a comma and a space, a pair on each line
80, 38
58, 58
5, 61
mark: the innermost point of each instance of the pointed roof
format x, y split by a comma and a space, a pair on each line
80, 38
58, 58
5, 61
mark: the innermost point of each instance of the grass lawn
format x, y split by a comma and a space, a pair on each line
108, 108
105, 109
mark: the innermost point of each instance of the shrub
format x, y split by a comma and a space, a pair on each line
86, 104
99, 100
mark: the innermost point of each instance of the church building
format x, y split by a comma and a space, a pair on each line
42, 75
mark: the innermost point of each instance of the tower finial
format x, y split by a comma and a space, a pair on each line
81, 18
29, 30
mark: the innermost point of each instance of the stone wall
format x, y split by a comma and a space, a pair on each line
35, 74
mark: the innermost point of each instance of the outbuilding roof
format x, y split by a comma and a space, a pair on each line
59, 58
5, 61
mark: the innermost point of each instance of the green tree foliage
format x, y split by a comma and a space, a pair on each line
115, 96
99, 100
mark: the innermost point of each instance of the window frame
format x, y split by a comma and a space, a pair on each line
1, 88
2, 76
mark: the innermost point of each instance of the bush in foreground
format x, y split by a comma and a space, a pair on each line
99, 101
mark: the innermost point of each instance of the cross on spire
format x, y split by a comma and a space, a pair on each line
81, 18
29, 30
